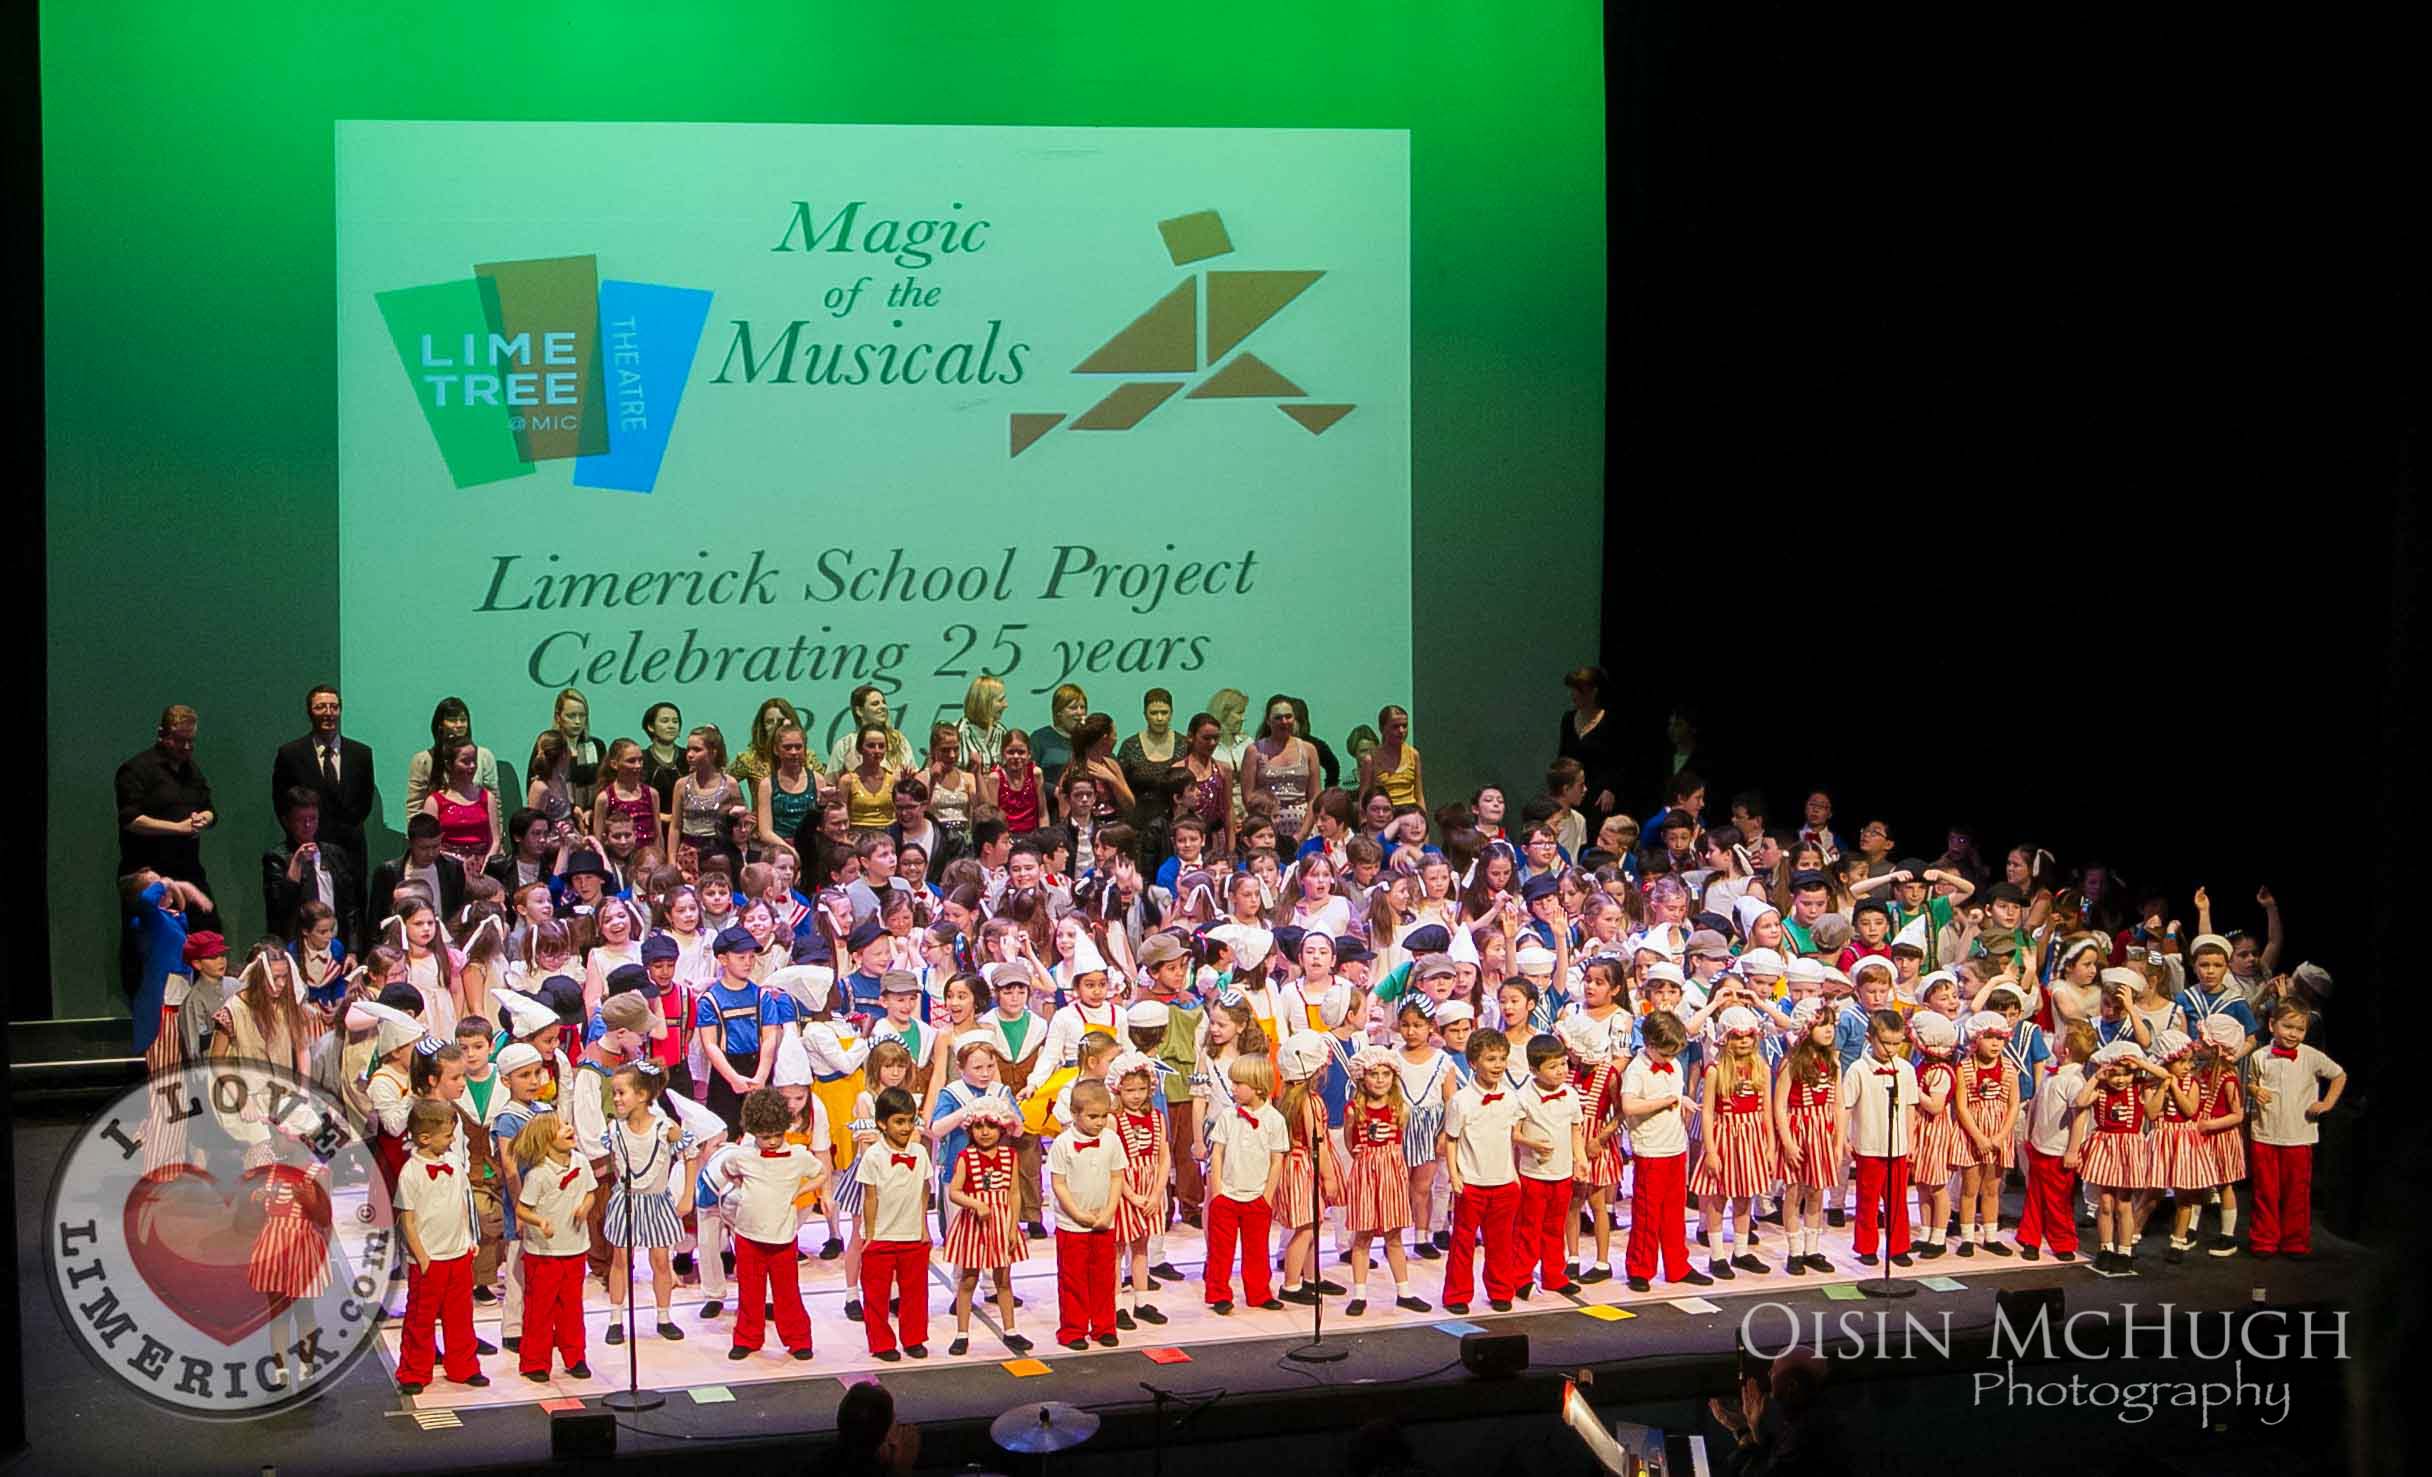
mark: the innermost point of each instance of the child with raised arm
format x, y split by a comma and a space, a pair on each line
2124, 1090
553, 1208
987, 1235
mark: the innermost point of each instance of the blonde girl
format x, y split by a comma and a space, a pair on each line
987, 1234
1378, 1194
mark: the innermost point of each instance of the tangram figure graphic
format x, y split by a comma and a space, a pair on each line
1165, 341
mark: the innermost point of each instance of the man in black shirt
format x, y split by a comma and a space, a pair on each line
164, 806
339, 770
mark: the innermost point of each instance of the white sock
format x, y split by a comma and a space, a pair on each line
2229, 1219
1401, 1289
1967, 1233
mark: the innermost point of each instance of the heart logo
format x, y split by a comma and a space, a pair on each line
191, 1242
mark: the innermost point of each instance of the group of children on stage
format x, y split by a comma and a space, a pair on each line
1472, 1066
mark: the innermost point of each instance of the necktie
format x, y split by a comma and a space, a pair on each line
436, 1170
569, 1177
329, 766
906, 1160
2285, 1053
1084, 1144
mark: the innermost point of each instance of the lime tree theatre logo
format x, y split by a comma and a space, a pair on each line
532, 361
220, 1239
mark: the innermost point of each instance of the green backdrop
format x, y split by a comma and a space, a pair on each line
190, 312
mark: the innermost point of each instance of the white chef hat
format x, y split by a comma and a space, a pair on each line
808, 985
793, 1066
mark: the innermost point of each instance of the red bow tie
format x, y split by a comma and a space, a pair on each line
1887, 1072
1247, 1116
1084, 1143
1489, 1097
2287, 1052
1559, 1092
569, 1177
1659, 1066
436, 1170
784, 1153
906, 1160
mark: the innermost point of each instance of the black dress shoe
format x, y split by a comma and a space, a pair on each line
1720, 1270
1412, 1305
1107, 1341
1330, 1289
670, 1332
852, 1309
1355, 1307
1596, 1274
917, 1351
1819, 1262
1222, 1310
1796, 1266
578, 1371
829, 1250
1694, 1279
1458, 1310
2030, 1253
1750, 1264
1867, 1259
1124, 1321
1903, 1259
616, 1332
1166, 1271
1074, 1344
484, 1347
1442, 1240
1147, 1313
1426, 1251
1270, 1306
1017, 1343
1300, 1295
474, 1382
888, 1356
739, 1352
1638, 1284
485, 1295
1500, 1305
1997, 1248
961, 1345
1836, 1217
513, 1345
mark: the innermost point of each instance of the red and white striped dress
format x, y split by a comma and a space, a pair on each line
984, 1241
1600, 1105
1295, 1201
1810, 1117
1142, 1135
2228, 1145
290, 1257
2182, 1160
1985, 1087
2115, 1151
1742, 1158
1941, 1148
1379, 1187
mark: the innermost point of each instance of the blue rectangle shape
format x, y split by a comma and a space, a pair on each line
1457, 1328
648, 333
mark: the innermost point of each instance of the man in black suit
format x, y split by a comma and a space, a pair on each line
339, 770
305, 870
423, 862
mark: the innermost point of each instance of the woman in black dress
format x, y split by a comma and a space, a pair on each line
1589, 736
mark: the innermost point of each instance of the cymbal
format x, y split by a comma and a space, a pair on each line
1046, 1427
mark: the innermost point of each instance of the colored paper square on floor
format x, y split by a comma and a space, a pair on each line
711, 1395
1942, 1284
1168, 1356
1607, 1313
1842, 1292
1457, 1328
1022, 1369
1695, 1305
554, 1406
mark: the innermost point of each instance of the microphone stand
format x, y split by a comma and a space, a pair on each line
1159, 1397
1889, 1286
633, 1399
1317, 1350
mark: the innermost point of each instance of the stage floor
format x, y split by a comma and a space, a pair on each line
841, 1347
1658, 1365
